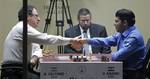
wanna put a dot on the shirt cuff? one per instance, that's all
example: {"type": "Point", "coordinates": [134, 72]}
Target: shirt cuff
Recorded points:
{"type": "Point", "coordinates": [38, 53]}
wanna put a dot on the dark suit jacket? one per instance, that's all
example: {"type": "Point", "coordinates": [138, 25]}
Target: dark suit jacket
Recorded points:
{"type": "Point", "coordinates": [95, 31]}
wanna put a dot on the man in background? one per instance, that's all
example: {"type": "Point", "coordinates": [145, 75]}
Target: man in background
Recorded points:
{"type": "Point", "coordinates": [91, 30]}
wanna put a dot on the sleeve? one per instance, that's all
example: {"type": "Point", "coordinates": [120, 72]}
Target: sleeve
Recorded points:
{"type": "Point", "coordinates": [108, 41]}
{"type": "Point", "coordinates": [42, 38]}
{"type": "Point", "coordinates": [36, 50]}
{"type": "Point", "coordinates": [129, 47]}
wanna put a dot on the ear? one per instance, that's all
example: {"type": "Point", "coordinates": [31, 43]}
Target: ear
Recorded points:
{"type": "Point", "coordinates": [125, 23]}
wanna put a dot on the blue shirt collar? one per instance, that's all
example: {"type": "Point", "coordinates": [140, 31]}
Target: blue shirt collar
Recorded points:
{"type": "Point", "coordinates": [127, 31]}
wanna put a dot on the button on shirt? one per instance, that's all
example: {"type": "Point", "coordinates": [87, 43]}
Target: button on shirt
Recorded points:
{"type": "Point", "coordinates": [130, 47]}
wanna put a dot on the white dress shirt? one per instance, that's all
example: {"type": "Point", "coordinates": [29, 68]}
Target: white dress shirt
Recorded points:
{"type": "Point", "coordinates": [13, 43]}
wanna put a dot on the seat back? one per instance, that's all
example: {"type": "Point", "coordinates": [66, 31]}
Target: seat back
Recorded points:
{"type": "Point", "coordinates": [146, 65]}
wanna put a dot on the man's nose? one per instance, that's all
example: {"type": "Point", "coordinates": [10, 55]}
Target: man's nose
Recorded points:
{"type": "Point", "coordinates": [85, 22]}
{"type": "Point", "coordinates": [38, 18]}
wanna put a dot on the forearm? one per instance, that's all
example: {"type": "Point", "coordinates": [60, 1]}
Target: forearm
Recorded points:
{"type": "Point", "coordinates": [49, 39]}
{"type": "Point", "coordinates": [97, 41]}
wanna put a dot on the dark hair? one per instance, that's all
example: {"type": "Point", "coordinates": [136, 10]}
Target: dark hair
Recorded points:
{"type": "Point", "coordinates": [29, 12]}
{"type": "Point", "coordinates": [125, 14]}
{"type": "Point", "coordinates": [83, 11]}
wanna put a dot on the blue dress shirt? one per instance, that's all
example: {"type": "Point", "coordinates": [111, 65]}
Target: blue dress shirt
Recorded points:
{"type": "Point", "coordinates": [130, 47]}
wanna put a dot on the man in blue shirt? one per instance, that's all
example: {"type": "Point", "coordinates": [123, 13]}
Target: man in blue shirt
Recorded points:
{"type": "Point", "coordinates": [129, 42]}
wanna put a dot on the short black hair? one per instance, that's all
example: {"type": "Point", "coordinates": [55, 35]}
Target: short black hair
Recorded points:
{"type": "Point", "coordinates": [29, 12]}
{"type": "Point", "coordinates": [83, 11]}
{"type": "Point", "coordinates": [125, 14]}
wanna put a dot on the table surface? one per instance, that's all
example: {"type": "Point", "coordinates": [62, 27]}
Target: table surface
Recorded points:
{"type": "Point", "coordinates": [66, 58]}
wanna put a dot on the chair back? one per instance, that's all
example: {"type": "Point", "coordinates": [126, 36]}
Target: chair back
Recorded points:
{"type": "Point", "coordinates": [146, 65]}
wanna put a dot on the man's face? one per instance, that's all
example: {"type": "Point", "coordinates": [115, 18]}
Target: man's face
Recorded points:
{"type": "Point", "coordinates": [84, 21]}
{"type": "Point", "coordinates": [120, 25]}
{"type": "Point", "coordinates": [33, 19]}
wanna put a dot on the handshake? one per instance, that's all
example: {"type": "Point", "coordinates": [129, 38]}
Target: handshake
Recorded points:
{"type": "Point", "coordinates": [77, 43]}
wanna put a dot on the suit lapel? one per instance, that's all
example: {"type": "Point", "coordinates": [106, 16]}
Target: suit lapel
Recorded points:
{"type": "Point", "coordinates": [77, 30]}
{"type": "Point", "coordinates": [92, 31]}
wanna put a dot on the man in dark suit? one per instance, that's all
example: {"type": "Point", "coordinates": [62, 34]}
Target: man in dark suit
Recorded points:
{"type": "Point", "coordinates": [91, 29]}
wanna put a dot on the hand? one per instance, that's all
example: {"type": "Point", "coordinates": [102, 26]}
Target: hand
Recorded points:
{"type": "Point", "coordinates": [75, 44]}
{"type": "Point", "coordinates": [34, 60]}
{"type": "Point", "coordinates": [77, 47]}
{"type": "Point", "coordinates": [82, 41]}
{"type": "Point", "coordinates": [75, 40]}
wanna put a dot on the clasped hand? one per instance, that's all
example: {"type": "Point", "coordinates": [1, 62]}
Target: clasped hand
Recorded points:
{"type": "Point", "coordinates": [78, 42]}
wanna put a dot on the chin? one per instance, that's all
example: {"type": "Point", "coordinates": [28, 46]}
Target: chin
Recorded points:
{"type": "Point", "coordinates": [35, 26]}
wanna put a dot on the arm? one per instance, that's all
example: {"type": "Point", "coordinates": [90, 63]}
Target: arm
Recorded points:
{"type": "Point", "coordinates": [42, 38]}
{"type": "Point", "coordinates": [108, 41]}
{"type": "Point", "coordinates": [130, 46]}
{"type": "Point", "coordinates": [36, 54]}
